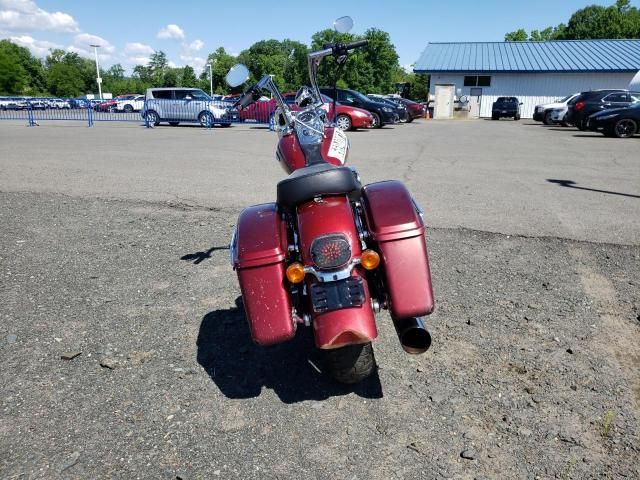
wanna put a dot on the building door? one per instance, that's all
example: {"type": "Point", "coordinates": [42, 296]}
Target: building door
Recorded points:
{"type": "Point", "coordinates": [444, 101]}
{"type": "Point", "coordinates": [475, 101]}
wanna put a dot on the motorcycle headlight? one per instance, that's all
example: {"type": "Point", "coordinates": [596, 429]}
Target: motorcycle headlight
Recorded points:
{"type": "Point", "coordinates": [387, 109]}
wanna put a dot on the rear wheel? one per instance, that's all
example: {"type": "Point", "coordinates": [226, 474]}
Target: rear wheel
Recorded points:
{"type": "Point", "coordinates": [344, 123]}
{"type": "Point", "coordinates": [351, 364]}
{"type": "Point", "coordinates": [516, 118]}
{"type": "Point", "coordinates": [580, 125]}
{"type": "Point", "coordinates": [625, 128]}
{"type": "Point", "coordinates": [409, 119]}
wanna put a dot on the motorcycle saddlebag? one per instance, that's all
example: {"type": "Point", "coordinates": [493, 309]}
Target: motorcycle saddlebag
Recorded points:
{"type": "Point", "coordinates": [396, 226]}
{"type": "Point", "coordinates": [258, 252]}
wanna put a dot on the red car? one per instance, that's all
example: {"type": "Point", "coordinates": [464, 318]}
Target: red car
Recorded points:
{"type": "Point", "coordinates": [110, 105]}
{"type": "Point", "coordinates": [349, 118]}
{"type": "Point", "coordinates": [414, 109]}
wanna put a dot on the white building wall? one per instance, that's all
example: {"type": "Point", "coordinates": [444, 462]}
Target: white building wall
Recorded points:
{"type": "Point", "coordinates": [533, 88]}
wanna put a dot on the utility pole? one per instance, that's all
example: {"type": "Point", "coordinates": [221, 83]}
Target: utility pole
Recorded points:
{"type": "Point", "coordinates": [210, 80]}
{"type": "Point", "coordinates": [98, 79]}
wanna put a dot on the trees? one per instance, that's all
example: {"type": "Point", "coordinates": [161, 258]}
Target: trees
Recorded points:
{"type": "Point", "coordinates": [28, 71]}
{"type": "Point", "coordinates": [373, 69]}
{"type": "Point", "coordinates": [13, 77]}
{"type": "Point", "coordinates": [619, 20]}
{"type": "Point", "coordinates": [220, 62]}
{"type": "Point", "coordinates": [188, 77]}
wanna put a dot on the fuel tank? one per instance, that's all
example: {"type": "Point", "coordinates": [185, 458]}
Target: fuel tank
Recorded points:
{"type": "Point", "coordinates": [334, 149]}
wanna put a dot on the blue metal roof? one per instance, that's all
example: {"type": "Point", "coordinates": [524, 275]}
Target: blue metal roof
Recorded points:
{"type": "Point", "coordinates": [552, 56]}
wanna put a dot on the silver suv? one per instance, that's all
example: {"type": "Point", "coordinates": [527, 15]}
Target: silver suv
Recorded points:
{"type": "Point", "coordinates": [175, 105]}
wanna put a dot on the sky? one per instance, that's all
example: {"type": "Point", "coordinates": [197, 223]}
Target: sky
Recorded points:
{"type": "Point", "coordinates": [188, 30]}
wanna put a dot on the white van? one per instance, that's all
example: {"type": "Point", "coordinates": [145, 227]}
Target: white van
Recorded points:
{"type": "Point", "coordinates": [176, 105]}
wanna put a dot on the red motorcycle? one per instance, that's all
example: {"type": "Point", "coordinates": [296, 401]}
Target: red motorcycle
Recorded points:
{"type": "Point", "coordinates": [329, 253]}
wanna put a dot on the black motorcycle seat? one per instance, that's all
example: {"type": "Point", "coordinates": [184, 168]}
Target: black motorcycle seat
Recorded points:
{"type": "Point", "coordinates": [316, 180]}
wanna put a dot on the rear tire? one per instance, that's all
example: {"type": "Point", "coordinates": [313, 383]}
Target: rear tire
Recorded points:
{"type": "Point", "coordinates": [580, 125]}
{"type": "Point", "coordinates": [409, 119]}
{"type": "Point", "coordinates": [516, 118]}
{"type": "Point", "coordinates": [625, 128]}
{"type": "Point", "coordinates": [351, 364]}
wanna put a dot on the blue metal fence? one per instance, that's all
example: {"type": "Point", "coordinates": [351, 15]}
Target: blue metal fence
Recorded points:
{"type": "Point", "coordinates": [152, 112]}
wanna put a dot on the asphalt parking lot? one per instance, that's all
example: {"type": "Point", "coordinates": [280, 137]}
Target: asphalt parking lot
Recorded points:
{"type": "Point", "coordinates": [114, 252]}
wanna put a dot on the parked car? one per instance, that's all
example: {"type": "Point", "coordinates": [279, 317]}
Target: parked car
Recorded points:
{"type": "Point", "coordinates": [506, 107]}
{"type": "Point", "coordinates": [79, 102]}
{"type": "Point", "coordinates": [382, 113]}
{"type": "Point", "coordinates": [58, 103]}
{"type": "Point", "coordinates": [37, 104]}
{"type": "Point", "coordinates": [414, 109]}
{"type": "Point", "coordinates": [616, 122]}
{"type": "Point", "coordinates": [349, 118]}
{"type": "Point", "coordinates": [545, 113]}
{"type": "Point", "coordinates": [588, 103]}
{"type": "Point", "coordinates": [180, 104]}
{"type": "Point", "coordinates": [130, 105]}
{"type": "Point", "coordinates": [399, 108]}
{"type": "Point", "coordinates": [12, 103]}
{"type": "Point", "coordinates": [112, 105]}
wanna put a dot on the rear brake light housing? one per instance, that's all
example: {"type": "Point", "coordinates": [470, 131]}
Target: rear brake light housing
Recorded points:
{"type": "Point", "coordinates": [330, 251]}
{"type": "Point", "coordinates": [579, 106]}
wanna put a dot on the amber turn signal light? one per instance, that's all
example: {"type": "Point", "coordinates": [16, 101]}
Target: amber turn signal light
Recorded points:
{"type": "Point", "coordinates": [370, 259]}
{"type": "Point", "coordinates": [295, 272]}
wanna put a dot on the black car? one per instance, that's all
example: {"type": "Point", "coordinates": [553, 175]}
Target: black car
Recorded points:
{"type": "Point", "coordinates": [399, 108]}
{"type": "Point", "coordinates": [507, 107]}
{"type": "Point", "coordinates": [382, 113]}
{"type": "Point", "coordinates": [616, 122]}
{"type": "Point", "coordinates": [588, 103]}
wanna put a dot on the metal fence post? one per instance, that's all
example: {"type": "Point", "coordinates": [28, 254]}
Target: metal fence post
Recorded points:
{"type": "Point", "coordinates": [144, 115]}
{"type": "Point", "coordinates": [32, 122]}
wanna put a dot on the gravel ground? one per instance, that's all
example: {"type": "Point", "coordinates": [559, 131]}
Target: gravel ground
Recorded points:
{"type": "Point", "coordinates": [125, 355]}
{"type": "Point", "coordinates": [533, 372]}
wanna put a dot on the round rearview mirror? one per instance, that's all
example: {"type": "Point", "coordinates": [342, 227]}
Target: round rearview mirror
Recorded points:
{"type": "Point", "coordinates": [238, 74]}
{"type": "Point", "coordinates": [343, 24]}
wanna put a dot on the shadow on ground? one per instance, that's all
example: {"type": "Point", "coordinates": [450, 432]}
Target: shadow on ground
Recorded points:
{"type": "Point", "coordinates": [241, 369]}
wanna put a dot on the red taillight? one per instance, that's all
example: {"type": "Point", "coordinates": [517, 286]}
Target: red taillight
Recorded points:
{"type": "Point", "coordinates": [330, 251]}
{"type": "Point", "coordinates": [579, 106]}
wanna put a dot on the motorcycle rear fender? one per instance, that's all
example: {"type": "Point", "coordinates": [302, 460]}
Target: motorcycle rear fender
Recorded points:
{"type": "Point", "coordinates": [337, 328]}
{"type": "Point", "coordinates": [396, 225]}
{"type": "Point", "coordinates": [258, 253]}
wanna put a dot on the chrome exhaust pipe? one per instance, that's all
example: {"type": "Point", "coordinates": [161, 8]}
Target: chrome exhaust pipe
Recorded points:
{"type": "Point", "coordinates": [413, 336]}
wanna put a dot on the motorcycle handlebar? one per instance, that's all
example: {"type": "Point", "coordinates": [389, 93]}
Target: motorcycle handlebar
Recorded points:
{"type": "Point", "coordinates": [245, 100]}
{"type": "Point", "coordinates": [356, 44]}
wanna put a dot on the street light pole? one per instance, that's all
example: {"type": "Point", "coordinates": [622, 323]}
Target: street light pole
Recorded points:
{"type": "Point", "coordinates": [98, 79]}
{"type": "Point", "coordinates": [210, 80]}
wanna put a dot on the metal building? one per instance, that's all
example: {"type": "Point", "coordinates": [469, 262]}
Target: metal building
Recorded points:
{"type": "Point", "coordinates": [535, 72]}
